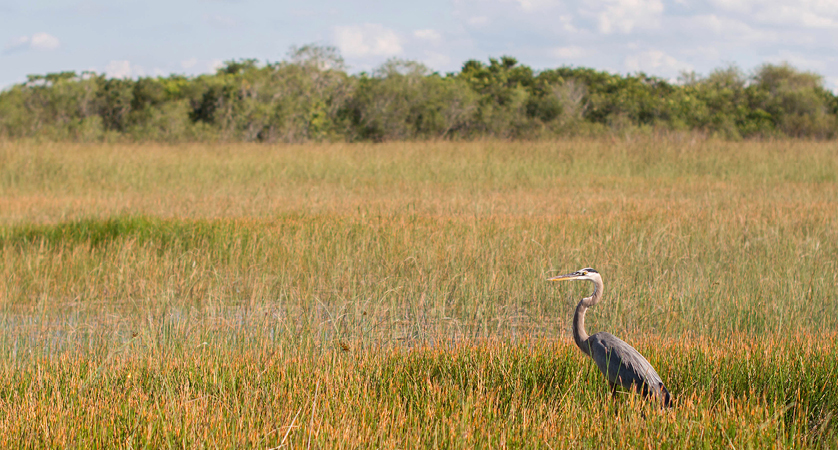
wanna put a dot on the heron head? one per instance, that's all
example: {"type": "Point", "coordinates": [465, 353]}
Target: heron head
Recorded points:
{"type": "Point", "coordinates": [584, 274]}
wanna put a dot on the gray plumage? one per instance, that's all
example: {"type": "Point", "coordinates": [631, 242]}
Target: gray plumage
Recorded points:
{"type": "Point", "coordinates": [619, 362]}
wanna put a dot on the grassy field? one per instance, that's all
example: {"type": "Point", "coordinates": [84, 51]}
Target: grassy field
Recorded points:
{"type": "Point", "coordinates": [393, 295]}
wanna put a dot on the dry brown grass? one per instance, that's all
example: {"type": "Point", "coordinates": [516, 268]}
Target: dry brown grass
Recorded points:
{"type": "Point", "coordinates": [392, 295]}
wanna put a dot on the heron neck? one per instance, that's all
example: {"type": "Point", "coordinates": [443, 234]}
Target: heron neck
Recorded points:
{"type": "Point", "coordinates": [580, 336]}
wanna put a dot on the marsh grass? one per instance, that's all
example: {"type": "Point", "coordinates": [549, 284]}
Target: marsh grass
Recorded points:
{"type": "Point", "coordinates": [393, 295]}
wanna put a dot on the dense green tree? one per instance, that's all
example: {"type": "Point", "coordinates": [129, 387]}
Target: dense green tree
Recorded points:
{"type": "Point", "coordinates": [309, 96]}
{"type": "Point", "coordinates": [403, 100]}
{"type": "Point", "coordinates": [795, 101]}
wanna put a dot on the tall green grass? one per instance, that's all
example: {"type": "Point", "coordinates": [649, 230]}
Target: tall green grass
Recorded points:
{"type": "Point", "coordinates": [533, 394]}
{"type": "Point", "coordinates": [393, 295]}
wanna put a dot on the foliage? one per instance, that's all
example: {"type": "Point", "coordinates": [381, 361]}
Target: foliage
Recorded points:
{"type": "Point", "coordinates": [310, 97]}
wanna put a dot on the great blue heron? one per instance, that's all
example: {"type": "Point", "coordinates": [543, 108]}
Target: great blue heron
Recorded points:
{"type": "Point", "coordinates": [618, 361]}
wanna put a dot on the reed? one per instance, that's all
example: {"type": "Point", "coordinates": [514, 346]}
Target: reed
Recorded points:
{"type": "Point", "coordinates": [393, 295]}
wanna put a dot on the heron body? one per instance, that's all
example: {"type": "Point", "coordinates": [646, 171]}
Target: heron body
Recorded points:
{"type": "Point", "coordinates": [618, 361]}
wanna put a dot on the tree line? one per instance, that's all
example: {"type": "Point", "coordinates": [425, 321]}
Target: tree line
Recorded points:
{"type": "Point", "coordinates": [310, 96]}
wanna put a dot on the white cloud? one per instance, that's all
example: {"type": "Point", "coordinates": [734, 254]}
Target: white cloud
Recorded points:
{"type": "Point", "coordinates": [38, 41]}
{"type": "Point", "coordinates": [706, 53]}
{"type": "Point", "coordinates": [435, 60]}
{"type": "Point", "coordinates": [625, 15]}
{"type": "Point", "coordinates": [806, 13]}
{"type": "Point", "coordinates": [732, 30]}
{"type": "Point", "coordinates": [123, 69]}
{"type": "Point", "coordinates": [655, 62]}
{"type": "Point", "coordinates": [533, 5]}
{"type": "Point", "coordinates": [739, 6]}
{"type": "Point", "coordinates": [568, 52]}
{"type": "Point", "coordinates": [567, 23]}
{"type": "Point", "coordinates": [370, 39]}
{"type": "Point", "coordinates": [44, 41]}
{"type": "Point", "coordinates": [187, 64]}
{"type": "Point", "coordinates": [801, 15]}
{"type": "Point", "coordinates": [195, 65]}
{"type": "Point", "coordinates": [18, 43]}
{"type": "Point", "coordinates": [215, 64]}
{"type": "Point", "coordinates": [656, 36]}
{"type": "Point", "coordinates": [429, 35]}
{"type": "Point", "coordinates": [800, 61]}
{"type": "Point", "coordinates": [478, 21]}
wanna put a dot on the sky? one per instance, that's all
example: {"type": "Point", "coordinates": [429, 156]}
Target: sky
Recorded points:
{"type": "Point", "coordinates": [658, 37]}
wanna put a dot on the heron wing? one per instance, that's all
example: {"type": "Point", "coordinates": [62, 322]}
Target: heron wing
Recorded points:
{"type": "Point", "coordinates": [622, 364]}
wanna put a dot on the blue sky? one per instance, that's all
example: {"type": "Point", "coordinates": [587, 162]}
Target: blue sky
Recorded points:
{"type": "Point", "coordinates": [660, 37]}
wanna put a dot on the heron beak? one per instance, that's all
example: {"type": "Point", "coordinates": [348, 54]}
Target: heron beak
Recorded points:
{"type": "Point", "coordinates": [565, 277]}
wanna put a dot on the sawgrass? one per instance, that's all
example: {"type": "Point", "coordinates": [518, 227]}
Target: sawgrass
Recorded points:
{"type": "Point", "coordinates": [393, 295]}
{"type": "Point", "coordinates": [533, 394]}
